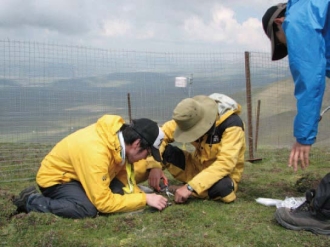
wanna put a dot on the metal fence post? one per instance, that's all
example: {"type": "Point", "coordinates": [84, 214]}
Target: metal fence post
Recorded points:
{"type": "Point", "coordinates": [249, 107]}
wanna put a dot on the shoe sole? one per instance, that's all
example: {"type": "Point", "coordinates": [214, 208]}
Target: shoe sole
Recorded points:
{"type": "Point", "coordinates": [300, 228]}
{"type": "Point", "coordinates": [24, 193]}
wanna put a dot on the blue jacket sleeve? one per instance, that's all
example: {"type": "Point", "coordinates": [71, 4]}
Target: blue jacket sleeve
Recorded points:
{"type": "Point", "coordinates": [306, 41]}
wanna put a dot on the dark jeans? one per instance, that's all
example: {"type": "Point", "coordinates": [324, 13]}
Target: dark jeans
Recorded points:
{"type": "Point", "coordinates": [67, 200]}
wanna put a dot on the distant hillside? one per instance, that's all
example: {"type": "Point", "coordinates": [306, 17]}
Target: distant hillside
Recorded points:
{"type": "Point", "coordinates": [277, 112]}
{"type": "Point", "coordinates": [47, 111]}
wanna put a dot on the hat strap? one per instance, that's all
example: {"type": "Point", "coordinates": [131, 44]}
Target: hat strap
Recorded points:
{"type": "Point", "coordinates": [122, 147]}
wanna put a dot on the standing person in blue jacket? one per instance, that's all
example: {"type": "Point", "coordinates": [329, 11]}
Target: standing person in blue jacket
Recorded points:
{"type": "Point", "coordinates": [300, 29]}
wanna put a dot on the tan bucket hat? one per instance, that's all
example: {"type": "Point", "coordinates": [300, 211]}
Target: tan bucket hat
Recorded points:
{"type": "Point", "coordinates": [194, 117]}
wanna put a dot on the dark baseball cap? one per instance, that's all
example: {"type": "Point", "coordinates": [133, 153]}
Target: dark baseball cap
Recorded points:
{"type": "Point", "coordinates": [150, 132]}
{"type": "Point", "coordinates": [279, 50]}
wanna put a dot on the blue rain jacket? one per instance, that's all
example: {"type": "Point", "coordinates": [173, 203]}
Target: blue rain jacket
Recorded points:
{"type": "Point", "coordinates": [306, 27]}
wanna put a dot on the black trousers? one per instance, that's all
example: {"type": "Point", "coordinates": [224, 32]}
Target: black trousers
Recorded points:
{"type": "Point", "coordinates": [67, 200]}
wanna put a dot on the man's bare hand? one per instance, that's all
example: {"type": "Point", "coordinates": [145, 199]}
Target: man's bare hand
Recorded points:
{"type": "Point", "coordinates": [299, 154]}
{"type": "Point", "coordinates": [156, 201]}
{"type": "Point", "coordinates": [182, 194]}
{"type": "Point", "coordinates": [154, 178]}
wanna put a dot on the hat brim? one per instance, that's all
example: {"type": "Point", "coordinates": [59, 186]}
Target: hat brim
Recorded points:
{"type": "Point", "coordinates": [210, 110]}
{"type": "Point", "coordinates": [155, 154]}
{"type": "Point", "coordinates": [279, 50]}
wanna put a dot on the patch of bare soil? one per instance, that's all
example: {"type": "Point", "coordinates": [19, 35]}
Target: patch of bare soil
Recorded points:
{"type": "Point", "coordinates": [308, 181]}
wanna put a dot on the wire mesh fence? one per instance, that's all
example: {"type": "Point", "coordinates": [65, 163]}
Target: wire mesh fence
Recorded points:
{"type": "Point", "coordinates": [48, 91]}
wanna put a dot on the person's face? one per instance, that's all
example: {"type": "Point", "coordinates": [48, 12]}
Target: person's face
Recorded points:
{"type": "Point", "coordinates": [280, 33]}
{"type": "Point", "coordinates": [135, 153]}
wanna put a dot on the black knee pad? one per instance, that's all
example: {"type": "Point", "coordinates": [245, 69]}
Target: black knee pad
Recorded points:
{"type": "Point", "coordinates": [221, 188]}
{"type": "Point", "coordinates": [175, 156]}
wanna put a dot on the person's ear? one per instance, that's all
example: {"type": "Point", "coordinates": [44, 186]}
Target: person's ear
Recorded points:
{"type": "Point", "coordinates": [136, 143]}
{"type": "Point", "coordinates": [279, 21]}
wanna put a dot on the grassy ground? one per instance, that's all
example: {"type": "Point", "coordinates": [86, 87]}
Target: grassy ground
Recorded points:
{"type": "Point", "coordinates": [196, 223]}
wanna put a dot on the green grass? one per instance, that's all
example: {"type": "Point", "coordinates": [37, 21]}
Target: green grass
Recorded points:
{"type": "Point", "coordinates": [196, 223]}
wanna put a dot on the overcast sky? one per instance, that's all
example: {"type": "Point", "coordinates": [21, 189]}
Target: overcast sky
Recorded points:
{"type": "Point", "coordinates": [139, 25]}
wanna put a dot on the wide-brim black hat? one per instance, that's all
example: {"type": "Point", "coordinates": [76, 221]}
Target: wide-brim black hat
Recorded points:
{"type": "Point", "coordinates": [279, 50]}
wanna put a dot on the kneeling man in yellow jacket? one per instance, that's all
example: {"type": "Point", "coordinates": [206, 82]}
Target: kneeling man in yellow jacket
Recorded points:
{"type": "Point", "coordinates": [211, 124]}
{"type": "Point", "coordinates": [91, 171]}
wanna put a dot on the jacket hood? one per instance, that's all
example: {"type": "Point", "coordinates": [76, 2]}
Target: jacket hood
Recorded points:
{"type": "Point", "coordinates": [107, 127]}
{"type": "Point", "coordinates": [226, 106]}
{"type": "Point", "coordinates": [229, 113]}
{"type": "Point", "coordinates": [225, 103]}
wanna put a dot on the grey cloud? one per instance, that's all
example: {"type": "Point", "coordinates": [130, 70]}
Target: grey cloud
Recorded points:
{"type": "Point", "coordinates": [82, 21]}
{"type": "Point", "coordinates": [60, 18]}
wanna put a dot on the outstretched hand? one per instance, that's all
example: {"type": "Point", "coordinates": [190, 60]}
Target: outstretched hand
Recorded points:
{"type": "Point", "coordinates": [182, 194]}
{"type": "Point", "coordinates": [156, 201]}
{"type": "Point", "coordinates": [299, 154]}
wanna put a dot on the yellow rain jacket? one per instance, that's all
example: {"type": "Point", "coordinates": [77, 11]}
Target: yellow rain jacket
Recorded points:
{"type": "Point", "coordinates": [209, 162]}
{"type": "Point", "coordinates": [92, 157]}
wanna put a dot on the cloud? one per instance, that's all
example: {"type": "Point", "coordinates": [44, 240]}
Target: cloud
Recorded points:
{"type": "Point", "coordinates": [115, 27]}
{"type": "Point", "coordinates": [184, 25]}
{"type": "Point", "coordinates": [146, 34]}
{"type": "Point", "coordinates": [251, 34]}
{"type": "Point", "coordinates": [223, 27]}
{"type": "Point", "coordinates": [220, 28]}
{"type": "Point", "coordinates": [67, 17]}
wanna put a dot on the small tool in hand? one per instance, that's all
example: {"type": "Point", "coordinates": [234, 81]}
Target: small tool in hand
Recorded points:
{"type": "Point", "coordinates": [168, 193]}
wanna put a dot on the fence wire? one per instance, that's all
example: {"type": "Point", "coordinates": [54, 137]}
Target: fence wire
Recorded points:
{"type": "Point", "coordinates": [48, 91]}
